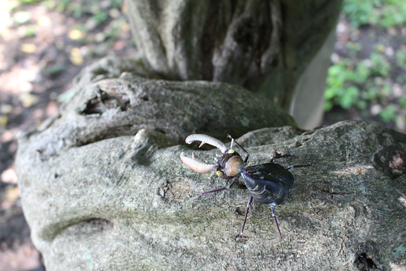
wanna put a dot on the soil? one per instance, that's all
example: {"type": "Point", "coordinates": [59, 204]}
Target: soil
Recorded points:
{"type": "Point", "coordinates": [31, 80]}
{"type": "Point", "coordinates": [34, 71]}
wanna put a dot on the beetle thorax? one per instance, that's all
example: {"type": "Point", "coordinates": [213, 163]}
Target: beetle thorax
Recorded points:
{"type": "Point", "coordinates": [229, 165]}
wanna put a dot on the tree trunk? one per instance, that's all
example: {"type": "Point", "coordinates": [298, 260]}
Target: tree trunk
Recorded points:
{"type": "Point", "coordinates": [263, 46]}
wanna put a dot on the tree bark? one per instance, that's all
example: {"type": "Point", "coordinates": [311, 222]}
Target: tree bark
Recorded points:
{"type": "Point", "coordinates": [263, 46]}
{"type": "Point", "coordinates": [105, 107]}
{"type": "Point", "coordinates": [129, 203]}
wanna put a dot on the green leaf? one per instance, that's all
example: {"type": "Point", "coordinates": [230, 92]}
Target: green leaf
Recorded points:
{"type": "Point", "coordinates": [350, 96]}
{"type": "Point", "coordinates": [389, 113]}
{"type": "Point", "coordinates": [21, 17]}
{"type": "Point", "coordinates": [328, 105]}
{"type": "Point", "coordinates": [402, 103]}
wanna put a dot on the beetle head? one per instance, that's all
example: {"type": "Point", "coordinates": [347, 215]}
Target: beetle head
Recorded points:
{"type": "Point", "coordinates": [228, 165]}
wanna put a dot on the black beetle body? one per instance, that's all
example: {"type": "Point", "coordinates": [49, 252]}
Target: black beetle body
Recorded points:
{"type": "Point", "coordinates": [267, 183]}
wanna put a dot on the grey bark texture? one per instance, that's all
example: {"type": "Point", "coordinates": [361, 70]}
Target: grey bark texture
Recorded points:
{"type": "Point", "coordinates": [103, 107]}
{"type": "Point", "coordinates": [128, 203]}
{"type": "Point", "coordinates": [263, 46]}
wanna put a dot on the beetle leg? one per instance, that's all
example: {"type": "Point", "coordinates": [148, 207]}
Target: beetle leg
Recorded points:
{"type": "Point", "coordinates": [297, 166]}
{"type": "Point", "coordinates": [272, 205]}
{"type": "Point", "coordinates": [280, 156]}
{"type": "Point", "coordinates": [245, 218]}
{"type": "Point", "coordinates": [232, 140]}
{"type": "Point", "coordinates": [223, 188]}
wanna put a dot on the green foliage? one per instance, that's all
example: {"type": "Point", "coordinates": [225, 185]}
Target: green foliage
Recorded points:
{"type": "Point", "coordinates": [116, 3]}
{"type": "Point", "coordinates": [389, 113]}
{"type": "Point", "coordinates": [79, 7]}
{"type": "Point", "coordinates": [384, 13]}
{"type": "Point", "coordinates": [56, 69]}
{"type": "Point", "coordinates": [21, 17]}
{"type": "Point", "coordinates": [402, 103]}
{"type": "Point", "coordinates": [342, 84]}
{"type": "Point", "coordinates": [361, 12]}
{"type": "Point", "coordinates": [31, 30]}
{"type": "Point", "coordinates": [363, 83]}
{"type": "Point", "coordinates": [348, 86]}
{"type": "Point", "coordinates": [28, 1]}
{"type": "Point", "coordinates": [61, 6]}
{"type": "Point", "coordinates": [400, 58]}
{"type": "Point", "coordinates": [351, 82]}
{"type": "Point", "coordinates": [10, 5]}
{"type": "Point", "coordinates": [393, 13]}
{"type": "Point", "coordinates": [380, 66]}
{"type": "Point", "coordinates": [100, 17]}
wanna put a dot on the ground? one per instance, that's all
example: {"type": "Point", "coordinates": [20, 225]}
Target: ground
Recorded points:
{"type": "Point", "coordinates": [43, 46]}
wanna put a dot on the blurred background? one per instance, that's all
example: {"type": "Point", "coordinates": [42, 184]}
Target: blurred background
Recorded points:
{"type": "Point", "coordinates": [45, 43]}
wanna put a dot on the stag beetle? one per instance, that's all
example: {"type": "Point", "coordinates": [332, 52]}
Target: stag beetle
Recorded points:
{"type": "Point", "coordinates": [267, 183]}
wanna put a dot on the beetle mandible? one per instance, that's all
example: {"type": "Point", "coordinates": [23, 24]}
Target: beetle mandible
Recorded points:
{"type": "Point", "coordinates": [267, 183]}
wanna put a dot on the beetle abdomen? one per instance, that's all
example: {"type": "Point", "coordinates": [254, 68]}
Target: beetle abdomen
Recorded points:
{"type": "Point", "coordinates": [268, 183]}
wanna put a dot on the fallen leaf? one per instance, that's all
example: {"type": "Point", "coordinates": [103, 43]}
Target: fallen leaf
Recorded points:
{"type": "Point", "coordinates": [52, 109]}
{"type": "Point", "coordinates": [44, 21]}
{"type": "Point", "coordinates": [75, 34]}
{"type": "Point", "coordinates": [5, 32]}
{"type": "Point", "coordinates": [9, 176]}
{"type": "Point", "coordinates": [6, 108]}
{"type": "Point", "coordinates": [28, 48]}
{"type": "Point", "coordinates": [13, 193]}
{"type": "Point", "coordinates": [7, 136]}
{"type": "Point", "coordinates": [21, 17]}
{"type": "Point", "coordinates": [114, 13]}
{"type": "Point", "coordinates": [75, 57]}
{"type": "Point", "coordinates": [28, 99]}
{"type": "Point", "coordinates": [99, 37]}
{"type": "Point", "coordinates": [3, 120]}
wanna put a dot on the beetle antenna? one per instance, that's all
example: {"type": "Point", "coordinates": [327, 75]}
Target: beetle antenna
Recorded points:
{"type": "Point", "coordinates": [274, 219]}
{"type": "Point", "coordinates": [211, 174]}
{"type": "Point", "coordinates": [246, 158]}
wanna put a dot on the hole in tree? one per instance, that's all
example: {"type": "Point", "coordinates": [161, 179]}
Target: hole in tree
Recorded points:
{"type": "Point", "coordinates": [364, 263]}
